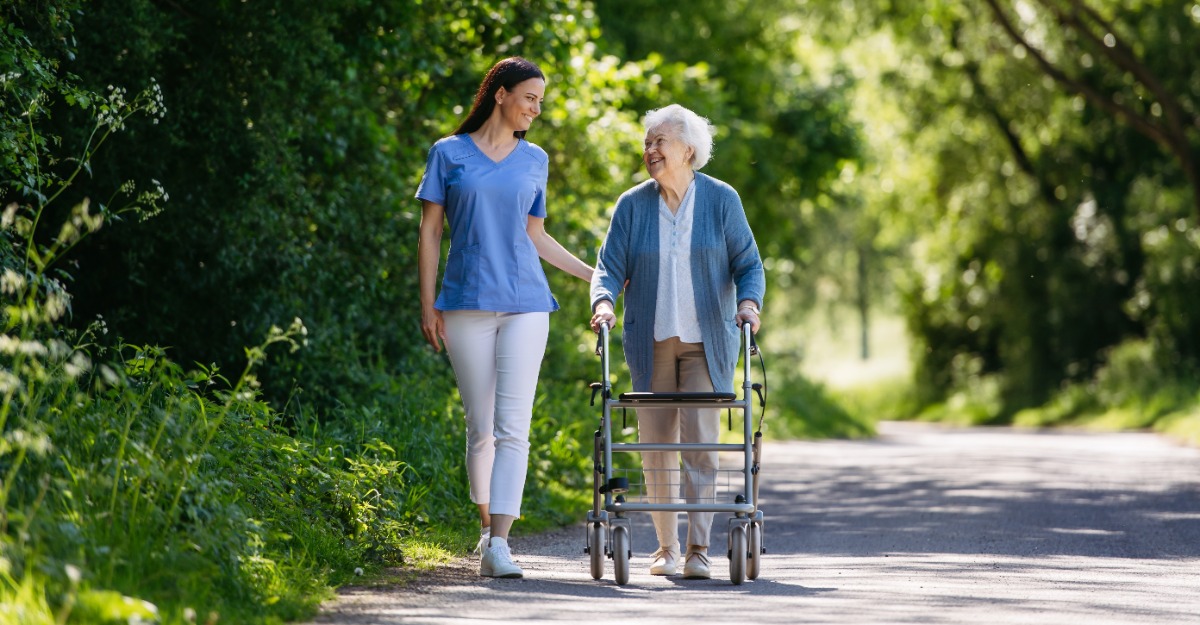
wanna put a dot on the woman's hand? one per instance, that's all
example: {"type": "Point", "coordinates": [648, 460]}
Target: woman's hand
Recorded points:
{"type": "Point", "coordinates": [603, 314]}
{"type": "Point", "coordinates": [434, 327]}
{"type": "Point", "coordinates": [747, 314]}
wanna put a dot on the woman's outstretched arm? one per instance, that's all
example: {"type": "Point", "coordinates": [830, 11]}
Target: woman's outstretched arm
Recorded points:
{"type": "Point", "coordinates": [554, 253]}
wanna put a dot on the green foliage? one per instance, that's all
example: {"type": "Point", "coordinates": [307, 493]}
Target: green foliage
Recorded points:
{"type": "Point", "coordinates": [129, 487]}
{"type": "Point", "coordinates": [299, 136]}
{"type": "Point", "coordinates": [1043, 181]}
{"type": "Point", "coordinates": [173, 488]}
{"type": "Point", "coordinates": [1134, 389]}
{"type": "Point", "coordinates": [784, 131]}
{"type": "Point", "coordinates": [801, 408]}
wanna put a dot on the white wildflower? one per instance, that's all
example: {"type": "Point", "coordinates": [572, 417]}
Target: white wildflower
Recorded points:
{"type": "Point", "coordinates": [9, 383]}
{"type": "Point", "coordinates": [56, 306]}
{"type": "Point", "coordinates": [78, 365]}
{"type": "Point", "coordinates": [12, 282]}
{"type": "Point", "coordinates": [10, 216]}
{"type": "Point", "coordinates": [31, 348]}
{"type": "Point", "coordinates": [109, 376]}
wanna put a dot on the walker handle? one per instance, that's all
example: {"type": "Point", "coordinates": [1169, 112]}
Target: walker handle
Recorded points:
{"type": "Point", "coordinates": [600, 338]}
{"type": "Point", "coordinates": [596, 388]}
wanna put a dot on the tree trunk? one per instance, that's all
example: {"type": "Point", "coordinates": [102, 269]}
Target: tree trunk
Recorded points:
{"type": "Point", "coordinates": [864, 318]}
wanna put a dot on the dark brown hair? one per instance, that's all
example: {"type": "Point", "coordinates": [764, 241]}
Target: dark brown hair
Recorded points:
{"type": "Point", "coordinates": [508, 74]}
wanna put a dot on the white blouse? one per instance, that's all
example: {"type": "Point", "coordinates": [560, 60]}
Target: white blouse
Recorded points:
{"type": "Point", "coordinates": [675, 306]}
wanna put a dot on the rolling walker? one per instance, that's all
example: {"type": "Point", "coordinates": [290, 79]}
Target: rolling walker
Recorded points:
{"type": "Point", "coordinates": [615, 496]}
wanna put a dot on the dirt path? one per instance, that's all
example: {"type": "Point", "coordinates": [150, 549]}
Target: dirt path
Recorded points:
{"type": "Point", "coordinates": [922, 525]}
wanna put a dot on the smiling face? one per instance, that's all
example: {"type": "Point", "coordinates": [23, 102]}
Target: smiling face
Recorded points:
{"type": "Point", "coordinates": [519, 106]}
{"type": "Point", "coordinates": [665, 154]}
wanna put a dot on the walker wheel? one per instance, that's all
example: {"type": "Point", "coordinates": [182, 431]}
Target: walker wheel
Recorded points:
{"type": "Point", "coordinates": [755, 551]}
{"type": "Point", "coordinates": [620, 554]}
{"type": "Point", "coordinates": [737, 554]}
{"type": "Point", "coordinates": [596, 549]}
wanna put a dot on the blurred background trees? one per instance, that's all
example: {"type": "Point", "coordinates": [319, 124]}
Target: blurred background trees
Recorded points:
{"type": "Point", "coordinates": [1017, 179]}
{"type": "Point", "coordinates": [1058, 142]}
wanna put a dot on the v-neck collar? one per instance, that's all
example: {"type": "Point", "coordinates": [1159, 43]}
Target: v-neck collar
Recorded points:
{"type": "Point", "coordinates": [485, 155]}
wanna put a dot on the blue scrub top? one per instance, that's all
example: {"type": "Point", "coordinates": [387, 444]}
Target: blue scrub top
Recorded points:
{"type": "Point", "coordinates": [492, 264]}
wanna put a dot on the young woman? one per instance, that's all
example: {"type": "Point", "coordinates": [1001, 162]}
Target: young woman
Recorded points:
{"type": "Point", "coordinates": [493, 311]}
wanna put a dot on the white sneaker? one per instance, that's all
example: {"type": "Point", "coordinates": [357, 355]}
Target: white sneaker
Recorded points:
{"type": "Point", "coordinates": [696, 566]}
{"type": "Point", "coordinates": [497, 561]}
{"type": "Point", "coordinates": [485, 535]}
{"type": "Point", "coordinates": [665, 560]}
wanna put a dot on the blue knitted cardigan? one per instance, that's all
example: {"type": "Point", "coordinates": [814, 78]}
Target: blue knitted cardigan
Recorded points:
{"type": "Point", "coordinates": [726, 269]}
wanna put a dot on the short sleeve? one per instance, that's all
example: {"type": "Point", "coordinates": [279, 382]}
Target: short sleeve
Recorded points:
{"type": "Point", "coordinates": [433, 182]}
{"type": "Point", "coordinates": [538, 209]}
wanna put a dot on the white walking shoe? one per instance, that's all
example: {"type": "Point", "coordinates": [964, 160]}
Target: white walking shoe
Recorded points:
{"type": "Point", "coordinates": [696, 566]}
{"type": "Point", "coordinates": [497, 561]}
{"type": "Point", "coordinates": [665, 561]}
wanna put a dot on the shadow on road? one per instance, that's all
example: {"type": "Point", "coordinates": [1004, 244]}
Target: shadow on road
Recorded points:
{"type": "Point", "coordinates": [948, 499]}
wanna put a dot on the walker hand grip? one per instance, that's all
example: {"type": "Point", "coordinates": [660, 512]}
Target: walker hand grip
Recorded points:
{"type": "Point", "coordinates": [596, 387]}
{"type": "Point", "coordinates": [602, 338]}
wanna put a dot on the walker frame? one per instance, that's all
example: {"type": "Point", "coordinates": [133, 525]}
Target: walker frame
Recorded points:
{"type": "Point", "coordinates": [608, 526]}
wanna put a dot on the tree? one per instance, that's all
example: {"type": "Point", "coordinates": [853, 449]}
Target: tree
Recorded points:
{"type": "Point", "coordinates": [785, 137]}
{"type": "Point", "coordinates": [1129, 88]}
{"type": "Point", "coordinates": [299, 134]}
{"type": "Point", "coordinates": [1036, 246]}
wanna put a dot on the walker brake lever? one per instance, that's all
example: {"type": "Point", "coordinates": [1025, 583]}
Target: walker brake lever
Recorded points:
{"type": "Point", "coordinates": [595, 386]}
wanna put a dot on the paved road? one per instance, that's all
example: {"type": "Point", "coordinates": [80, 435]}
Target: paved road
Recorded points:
{"type": "Point", "coordinates": [922, 525]}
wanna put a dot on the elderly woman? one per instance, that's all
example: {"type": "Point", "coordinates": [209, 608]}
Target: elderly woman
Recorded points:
{"type": "Point", "coordinates": [681, 248]}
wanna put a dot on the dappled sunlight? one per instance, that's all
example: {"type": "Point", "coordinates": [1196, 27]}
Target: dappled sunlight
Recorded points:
{"type": "Point", "coordinates": [1058, 497]}
{"type": "Point", "coordinates": [926, 524]}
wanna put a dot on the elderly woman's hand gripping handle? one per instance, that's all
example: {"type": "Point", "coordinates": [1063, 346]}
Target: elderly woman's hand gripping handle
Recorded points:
{"type": "Point", "coordinates": [603, 314]}
{"type": "Point", "coordinates": [747, 313]}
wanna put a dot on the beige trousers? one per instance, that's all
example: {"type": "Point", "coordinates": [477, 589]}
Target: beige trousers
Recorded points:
{"type": "Point", "coordinates": [680, 366]}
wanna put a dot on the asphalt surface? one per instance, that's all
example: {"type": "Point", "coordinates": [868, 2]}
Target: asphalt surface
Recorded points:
{"type": "Point", "coordinates": [922, 525]}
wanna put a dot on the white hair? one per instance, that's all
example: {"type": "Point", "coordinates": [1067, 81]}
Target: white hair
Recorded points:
{"type": "Point", "coordinates": [694, 130]}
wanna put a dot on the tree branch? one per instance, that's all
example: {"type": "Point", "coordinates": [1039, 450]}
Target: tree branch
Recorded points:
{"type": "Point", "coordinates": [1124, 58]}
{"type": "Point", "coordinates": [1175, 142]}
{"type": "Point", "coordinates": [1003, 125]}
{"type": "Point", "coordinates": [1141, 125]}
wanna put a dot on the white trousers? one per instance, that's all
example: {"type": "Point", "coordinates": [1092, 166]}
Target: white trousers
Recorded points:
{"type": "Point", "coordinates": [680, 366]}
{"type": "Point", "coordinates": [496, 359]}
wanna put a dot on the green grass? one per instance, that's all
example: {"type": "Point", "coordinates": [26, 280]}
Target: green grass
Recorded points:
{"type": "Point", "coordinates": [822, 387]}
{"type": "Point", "coordinates": [1133, 391]}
